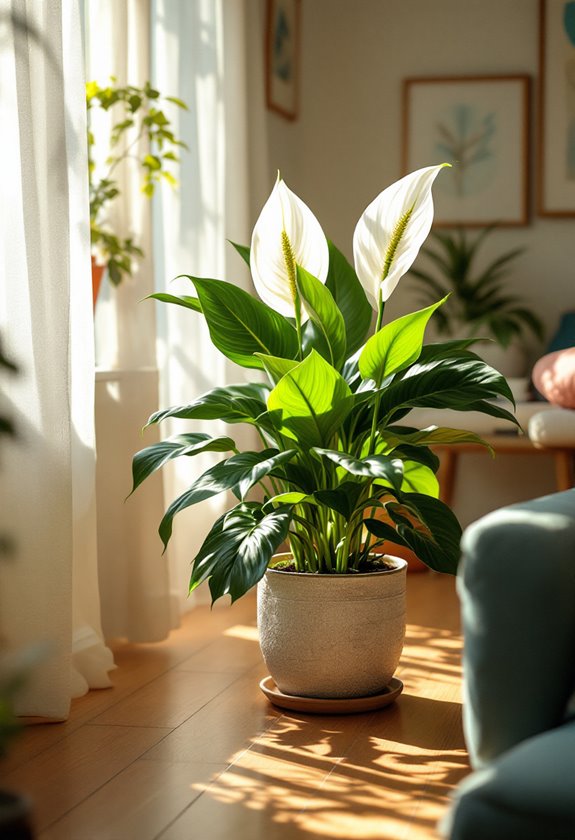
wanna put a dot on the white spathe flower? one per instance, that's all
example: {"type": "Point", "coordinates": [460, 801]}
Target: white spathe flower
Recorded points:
{"type": "Point", "coordinates": [286, 233]}
{"type": "Point", "coordinates": [391, 231]}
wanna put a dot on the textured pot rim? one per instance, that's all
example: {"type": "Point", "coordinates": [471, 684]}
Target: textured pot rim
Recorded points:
{"type": "Point", "coordinates": [400, 565]}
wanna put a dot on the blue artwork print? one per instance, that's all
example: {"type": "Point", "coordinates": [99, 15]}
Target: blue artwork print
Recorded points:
{"type": "Point", "coordinates": [282, 40]}
{"type": "Point", "coordinates": [464, 137]}
{"type": "Point", "coordinates": [569, 26]}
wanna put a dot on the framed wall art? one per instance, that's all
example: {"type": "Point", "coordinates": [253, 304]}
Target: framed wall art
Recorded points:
{"type": "Point", "coordinates": [556, 122]}
{"type": "Point", "coordinates": [480, 125]}
{"type": "Point", "coordinates": [282, 56]}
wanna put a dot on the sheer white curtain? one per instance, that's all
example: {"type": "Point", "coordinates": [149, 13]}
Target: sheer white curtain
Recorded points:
{"type": "Point", "coordinates": [209, 53]}
{"type": "Point", "coordinates": [49, 588]}
{"type": "Point", "coordinates": [134, 576]}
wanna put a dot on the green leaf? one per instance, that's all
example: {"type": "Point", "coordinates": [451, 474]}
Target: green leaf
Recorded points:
{"type": "Point", "coordinates": [437, 543]}
{"type": "Point", "coordinates": [240, 471]}
{"type": "Point", "coordinates": [420, 454]}
{"type": "Point", "coordinates": [310, 402]}
{"type": "Point", "coordinates": [241, 326]}
{"type": "Point", "coordinates": [243, 251]}
{"type": "Point", "coordinates": [324, 313]}
{"type": "Point", "coordinates": [372, 466]}
{"type": "Point", "coordinates": [343, 500]}
{"type": "Point", "coordinates": [276, 368]}
{"type": "Point", "coordinates": [150, 459]}
{"type": "Point", "coordinates": [238, 549]}
{"type": "Point", "coordinates": [290, 498]}
{"type": "Point", "coordinates": [418, 478]}
{"type": "Point", "coordinates": [232, 404]}
{"type": "Point", "coordinates": [447, 349]}
{"type": "Point", "coordinates": [396, 346]}
{"type": "Point", "coordinates": [348, 293]}
{"type": "Point", "coordinates": [448, 383]}
{"type": "Point", "coordinates": [434, 435]}
{"type": "Point", "coordinates": [263, 464]}
{"type": "Point", "coordinates": [179, 300]}
{"type": "Point", "coordinates": [179, 102]}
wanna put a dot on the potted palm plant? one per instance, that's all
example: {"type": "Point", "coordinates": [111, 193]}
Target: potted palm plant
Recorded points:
{"type": "Point", "coordinates": [479, 305]}
{"type": "Point", "coordinates": [335, 450]}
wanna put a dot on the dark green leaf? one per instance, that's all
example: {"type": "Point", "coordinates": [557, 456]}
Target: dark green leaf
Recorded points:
{"type": "Point", "coordinates": [150, 459]}
{"type": "Point", "coordinates": [243, 251]}
{"type": "Point", "coordinates": [343, 500]}
{"type": "Point", "coordinates": [324, 313]}
{"type": "Point", "coordinates": [372, 466]}
{"type": "Point", "coordinates": [238, 471]}
{"type": "Point", "coordinates": [233, 404]}
{"type": "Point", "coordinates": [240, 325]}
{"type": "Point", "coordinates": [238, 549]}
{"type": "Point", "coordinates": [437, 543]}
{"type": "Point", "coordinates": [348, 293]}
{"type": "Point", "coordinates": [449, 383]}
{"type": "Point", "coordinates": [179, 300]}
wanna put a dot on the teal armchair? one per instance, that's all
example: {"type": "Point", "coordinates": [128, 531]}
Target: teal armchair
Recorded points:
{"type": "Point", "coordinates": [517, 589]}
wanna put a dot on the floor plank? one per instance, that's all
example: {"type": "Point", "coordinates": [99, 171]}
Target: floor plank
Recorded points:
{"type": "Point", "coordinates": [185, 745]}
{"type": "Point", "coordinates": [64, 775]}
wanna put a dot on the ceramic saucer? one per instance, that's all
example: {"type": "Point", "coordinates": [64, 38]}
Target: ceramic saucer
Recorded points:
{"type": "Point", "coordinates": [331, 706]}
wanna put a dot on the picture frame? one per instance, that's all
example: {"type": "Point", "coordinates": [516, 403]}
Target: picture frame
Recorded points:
{"type": "Point", "coordinates": [556, 117]}
{"type": "Point", "coordinates": [282, 56]}
{"type": "Point", "coordinates": [480, 125]}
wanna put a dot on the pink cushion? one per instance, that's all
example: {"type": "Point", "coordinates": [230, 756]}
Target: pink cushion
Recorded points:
{"type": "Point", "coordinates": [554, 377]}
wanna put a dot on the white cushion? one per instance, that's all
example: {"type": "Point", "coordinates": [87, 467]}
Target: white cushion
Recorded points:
{"type": "Point", "coordinates": [553, 428]}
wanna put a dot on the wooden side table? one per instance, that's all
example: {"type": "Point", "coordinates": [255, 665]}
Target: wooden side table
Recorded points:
{"type": "Point", "coordinates": [504, 445]}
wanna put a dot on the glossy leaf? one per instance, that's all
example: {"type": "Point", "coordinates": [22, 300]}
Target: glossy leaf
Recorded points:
{"type": "Point", "coordinates": [417, 478]}
{"type": "Point", "coordinates": [243, 251]}
{"type": "Point", "coordinates": [241, 326]}
{"type": "Point", "coordinates": [276, 368]}
{"type": "Point", "coordinates": [236, 552]}
{"type": "Point", "coordinates": [438, 543]}
{"type": "Point", "coordinates": [348, 293]}
{"type": "Point", "coordinates": [396, 345]}
{"type": "Point", "coordinates": [343, 499]}
{"type": "Point", "coordinates": [372, 466]}
{"type": "Point", "coordinates": [180, 300]}
{"type": "Point", "coordinates": [436, 435]}
{"type": "Point", "coordinates": [234, 404]}
{"type": "Point", "coordinates": [424, 524]}
{"type": "Point", "coordinates": [322, 310]}
{"type": "Point", "coordinates": [444, 384]}
{"type": "Point", "coordinates": [238, 472]}
{"type": "Point", "coordinates": [153, 457]}
{"type": "Point", "coordinates": [310, 403]}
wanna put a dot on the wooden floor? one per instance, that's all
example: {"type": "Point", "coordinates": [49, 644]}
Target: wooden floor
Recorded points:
{"type": "Point", "coordinates": [185, 746]}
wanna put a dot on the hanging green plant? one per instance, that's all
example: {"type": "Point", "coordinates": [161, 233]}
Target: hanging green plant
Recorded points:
{"type": "Point", "coordinates": [141, 115]}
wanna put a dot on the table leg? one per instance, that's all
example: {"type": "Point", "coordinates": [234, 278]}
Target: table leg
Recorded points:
{"type": "Point", "coordinates": [446, 475]}
{"type": "Point", "coordinates": [564, 469]}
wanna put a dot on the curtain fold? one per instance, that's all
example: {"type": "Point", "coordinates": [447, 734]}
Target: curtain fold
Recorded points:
{"type": "Point", "coordinates": [200, 53]}
{"type": "Point", "coordinates": [48, 589]}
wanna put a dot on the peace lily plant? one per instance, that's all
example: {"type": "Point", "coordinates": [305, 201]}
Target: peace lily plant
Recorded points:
{"type": "Point", "coordinates": [335, 454]}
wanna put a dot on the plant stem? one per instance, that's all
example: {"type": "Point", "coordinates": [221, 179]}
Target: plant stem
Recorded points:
{"type": "Point", "coordinates": [371, 449]}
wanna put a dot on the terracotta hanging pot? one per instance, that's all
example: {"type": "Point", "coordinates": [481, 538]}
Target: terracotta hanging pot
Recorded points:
{"type": "Point", "coordinates": [97, 274]}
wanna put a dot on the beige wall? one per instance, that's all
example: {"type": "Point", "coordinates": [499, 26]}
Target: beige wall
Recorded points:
{"type": "Point", "coordinates": [346, 146]}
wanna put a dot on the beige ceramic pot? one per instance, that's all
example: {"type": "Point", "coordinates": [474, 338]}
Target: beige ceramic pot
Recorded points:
{"type": "Point", "coordinates": [332, 635]}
